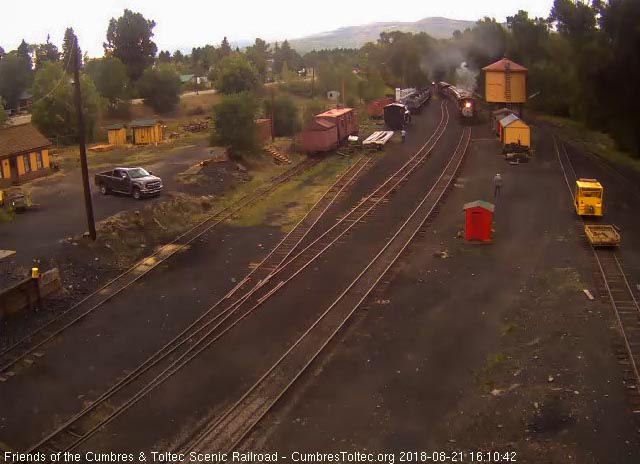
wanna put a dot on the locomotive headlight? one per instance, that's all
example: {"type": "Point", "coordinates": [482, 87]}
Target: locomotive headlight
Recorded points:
{"type": "Point", "coordinates": [467, 105]}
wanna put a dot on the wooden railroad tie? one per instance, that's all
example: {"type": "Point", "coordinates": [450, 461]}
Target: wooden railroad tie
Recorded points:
{"type": "Point", "coordinates": [278, 157]}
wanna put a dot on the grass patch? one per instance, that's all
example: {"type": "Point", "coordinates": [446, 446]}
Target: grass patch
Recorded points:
{"type": "Point", "coordinates": [508, 329]}
{"type": "Point", "coordinates": [6, 216]}
{"type": "Point", "coordinates": [596, 142]}
{"type": "Point", "coordinates": [288, 204]}
{"type": "Point", "coordinates": [69, 157]}
{"type": "Point", "coordinates": [496, 364]}
{"type": "Point", "coordinates": [562, 279]}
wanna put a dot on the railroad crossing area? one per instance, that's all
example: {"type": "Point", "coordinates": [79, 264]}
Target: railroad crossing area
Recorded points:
{"type": "Point", "coordinates": [372, 324]}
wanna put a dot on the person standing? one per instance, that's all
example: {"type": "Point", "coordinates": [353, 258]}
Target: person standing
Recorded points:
{"type": "Point", "coordinates": [497, 185]}
{"type": "Point", "coordinates": [403, 133]}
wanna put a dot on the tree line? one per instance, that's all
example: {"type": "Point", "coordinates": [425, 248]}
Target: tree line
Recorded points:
{"type": "Point", "coordinates": [582, 62]}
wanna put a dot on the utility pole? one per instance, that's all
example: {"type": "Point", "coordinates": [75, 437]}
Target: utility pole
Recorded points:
{"type": "Point", "coordinates": [313, 80]}
{"type": "Point", "coordinates": [273, 134]}
{"type": "Point", "coordinates": [82, 143]}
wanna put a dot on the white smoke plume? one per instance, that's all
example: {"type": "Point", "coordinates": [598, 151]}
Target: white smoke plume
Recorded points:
{"type": "Point", "coordinates": [466, 78]}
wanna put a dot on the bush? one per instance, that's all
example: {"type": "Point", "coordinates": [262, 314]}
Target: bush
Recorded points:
{"type": "Point", "coordinates": [236, 74]}
{"type": "Point", "coordinates": [297, 87]}
{"type": "Point", "coordinates": [286, 118]}
{"type": "Point", "coordinates": [314, 107]}
{"type": "Point", "coordinates": [160, 88]}
{"type": "Point", "coordinates": [197, 111]}
{"type": "Point", "coordinates": [234, 122]}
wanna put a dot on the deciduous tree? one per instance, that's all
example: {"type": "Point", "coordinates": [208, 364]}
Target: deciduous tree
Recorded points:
{"type": "Point", "coordinates": [110, 78]}
{"type": "Point", "coordinates": [15, 77]}
{"type": "Point", "coordinates": [234, 122]}
{"type": "Point", "coordinates": [235, 74]}
{"type": "Point", "coordinates": [286, 117]}
{"type": "Point", "coordinates": [160, 88]}
{"type": "Point", "coordinates": [129, 40]}
{"type": "Point", "coordinates": [54, 110]}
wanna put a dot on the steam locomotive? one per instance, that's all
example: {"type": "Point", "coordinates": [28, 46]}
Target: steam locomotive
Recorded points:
{"type": "Point", "coordinates": [463, 99]}
{"type": "Point", "coordinates": [408, 101]}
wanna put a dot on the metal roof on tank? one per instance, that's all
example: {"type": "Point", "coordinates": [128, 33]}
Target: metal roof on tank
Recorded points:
{"type": "Point", "coordinates": [502, 65]}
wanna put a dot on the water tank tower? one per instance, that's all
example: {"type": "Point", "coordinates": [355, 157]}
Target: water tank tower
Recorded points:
{"type": "Point", "coordinates": [505, 84]}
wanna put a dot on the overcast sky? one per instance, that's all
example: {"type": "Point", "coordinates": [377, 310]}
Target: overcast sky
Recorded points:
{"type": "Point", "coordinates": [183, 24]}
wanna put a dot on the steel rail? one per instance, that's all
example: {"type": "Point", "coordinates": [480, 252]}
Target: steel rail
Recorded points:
{"type": "Point", "coordinates": [188, 355]}
{"type": "Point", "coordinates": [238, 420]}
{"type": "Point", "coordinates": [307, 222]}
{"type": "Point", "coordinates": [609, 274]}
{"type": "Point", "coordinates": [143, 267]}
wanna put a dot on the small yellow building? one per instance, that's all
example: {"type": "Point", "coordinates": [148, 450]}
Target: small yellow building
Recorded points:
{"type": "Point", "coordinates": [505, 82]}
{"type": "Point", "coordinates": [514, 130]}
{"type": "Point", "coordinates": [117, 134]}
{"type": "Point", "coordinates": [24, 154]}
{"type": "Point", "coordinates": [145, 132]}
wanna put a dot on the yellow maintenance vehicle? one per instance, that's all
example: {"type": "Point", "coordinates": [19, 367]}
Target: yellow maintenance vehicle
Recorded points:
{"type": "Point", "coordinates": [588, 197]}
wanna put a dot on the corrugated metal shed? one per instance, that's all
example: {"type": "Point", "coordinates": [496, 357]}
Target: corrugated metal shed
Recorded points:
{"type": "Point", "coordinates": [504, 122]}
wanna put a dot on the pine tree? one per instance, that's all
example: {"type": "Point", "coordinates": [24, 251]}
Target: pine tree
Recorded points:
{"type": "Point", "coordinates": [69, 44]}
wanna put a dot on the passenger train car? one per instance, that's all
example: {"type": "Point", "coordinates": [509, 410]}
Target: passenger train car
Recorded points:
{"type": "Point", "coordinates": [463, 99]}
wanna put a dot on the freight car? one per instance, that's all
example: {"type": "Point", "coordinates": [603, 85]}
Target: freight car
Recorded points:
{"type": "Point", "coordinates": [396, 116]}
{"type": "Point", "coordinates": [463, 99]}
{"type": "Point", "coordinates": [329, 129]}
{"type": "Point", "coordinates": [417, 100]}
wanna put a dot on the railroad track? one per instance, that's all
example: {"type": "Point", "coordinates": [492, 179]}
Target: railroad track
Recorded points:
{"type": "Point", "coordinates": [212, 325]}
{"type": "Point", "coordinates": [126, 392]}
{"type": "Point", "coordinates": [26, 350]}
{"type": "Point", "coordinates": [617, 290]}
{"type": "Point", "coordinates": [224, 434]}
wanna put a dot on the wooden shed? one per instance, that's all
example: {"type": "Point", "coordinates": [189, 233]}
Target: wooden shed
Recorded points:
{"type": "Point", "coordinates": [24, 154]}
{"type": "Point", "coordinates": [478, 217]}
{"type": "Point", "coordinates": [497, 116]}
{"type": "Point", "coordinates": [319, 136]}
{"type": "Point", "coordinates": [117, 134]}
{"type": "Point", "coordinates": [145, 132]}
{"type": "Point", "coordinates": [514, 130]}
{"type": "Point", "coordinates": [505, 82]}
{"type": "Point", "coordinates": [345, 119]}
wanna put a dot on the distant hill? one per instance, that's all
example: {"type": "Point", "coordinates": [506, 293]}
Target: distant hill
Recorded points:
{"type": "Point", "coordinates": [357, 36]}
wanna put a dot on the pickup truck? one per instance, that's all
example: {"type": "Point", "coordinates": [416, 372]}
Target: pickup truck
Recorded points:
{"type": "Point", "coordinates": [136, 182]}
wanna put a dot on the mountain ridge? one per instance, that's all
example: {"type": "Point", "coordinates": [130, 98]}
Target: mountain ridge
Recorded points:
{"type": "Point", "coordinates": [356, 36]}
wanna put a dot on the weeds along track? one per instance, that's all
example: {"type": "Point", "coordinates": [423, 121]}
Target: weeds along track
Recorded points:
{"type": "Point", "coordinates": [124, 393]}
{"type": "Point", "coordinates": [236, 422]}
{"type": "Point", "coordinates": [616, 289]}
{"type": "Point", "coordinates": [240, 302]}
{"type": "Point", "coordinates": [26, 349]}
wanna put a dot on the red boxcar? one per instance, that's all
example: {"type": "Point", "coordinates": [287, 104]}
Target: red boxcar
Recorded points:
{"type": "Point", "coordinates": [345, 119]}
{"type": "Point", "coordinates": [320, 136]}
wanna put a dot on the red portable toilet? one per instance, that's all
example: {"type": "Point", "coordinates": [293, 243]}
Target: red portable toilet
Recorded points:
{"type": "Point", "coordinates": [478, 215]}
